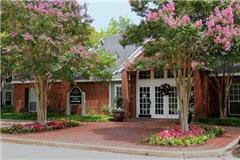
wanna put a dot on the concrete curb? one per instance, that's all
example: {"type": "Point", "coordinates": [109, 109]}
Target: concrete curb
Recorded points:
{"type": "Point", "coordinates": [148, 152]}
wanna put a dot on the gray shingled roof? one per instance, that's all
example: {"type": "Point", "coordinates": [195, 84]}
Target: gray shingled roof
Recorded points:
{"type": "Point", "coordinates": [113, 46]}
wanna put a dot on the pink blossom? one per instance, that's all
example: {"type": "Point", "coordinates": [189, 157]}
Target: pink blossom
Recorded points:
{"type": "Point", "coordinates": [238, 6]}
{"type": "Point", "coordinates": [185, 19]}
{"type": "Point", "coordinates": [27, 37]}
{"type": "Point", "coordinates": [176, 132]}
{"type": "Point", "coordinates": [217, 40]}
{"type": "Point", "coordinates": [152, 16]}
{"type": "Point", "coordinates": [221, 28]}
{"type": "Point", "coordinates": [169, 7]}
{"type": "Point", "coordinates": [13, 34]}
{"type": "Point", "coordinates": [198, 23]}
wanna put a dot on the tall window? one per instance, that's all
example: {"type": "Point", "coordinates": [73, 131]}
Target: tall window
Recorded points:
{"type": "Point", "coordinates": [8, 97]}
{"type": "Point", "coordinates": [32, 100]}
{"type": "Point", "coordinates": [118, 91]}
{"type": "Point", "coordinates": [234, 99]}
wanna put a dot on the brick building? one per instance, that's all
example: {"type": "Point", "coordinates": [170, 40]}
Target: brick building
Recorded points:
{"type": "Point", "coordinates": [140, 91]}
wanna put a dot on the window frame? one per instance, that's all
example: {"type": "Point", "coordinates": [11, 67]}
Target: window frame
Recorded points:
{"type": "Point", "coordinates": [150, 75]}
{"type": "Point", "coordinates": [5, 96]}
{"type": "Point", "coordinates": [229, 101]}
{"type": "Point", "coordinates": [115, 89]}
{"type": "Point", "coordinates": [162, 73]}
{"type": "Point", "coordinates": [31, 91]}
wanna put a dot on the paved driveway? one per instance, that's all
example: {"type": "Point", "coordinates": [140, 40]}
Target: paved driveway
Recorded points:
{"type": "Point", "coordinates": [123, 134]}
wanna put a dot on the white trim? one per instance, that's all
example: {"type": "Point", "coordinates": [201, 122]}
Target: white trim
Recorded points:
{"type": "Point", "coordinates": [115, 89]}
{"type": "Point", "coordinates": [109, 95]}
{"type": "Point", "coordinates": [134, 55]}
{"type": "Point", "coordinates": [4, 96]}
{"type": "Point", "coordinates": [229, 102]}
{"type": "Point", "coordinates": [152, 83]}
{"type": "Point", "coordinates": [32, 91]}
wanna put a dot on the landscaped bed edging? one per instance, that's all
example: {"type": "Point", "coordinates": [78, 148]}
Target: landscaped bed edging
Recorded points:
{"type": "Point", "coordinates": [175, 137]}
{"type": "Point", "coordinates": [37, 127]}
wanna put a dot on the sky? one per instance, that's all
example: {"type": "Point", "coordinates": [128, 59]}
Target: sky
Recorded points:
{"type": "Point", "coordinates": [103, 10]}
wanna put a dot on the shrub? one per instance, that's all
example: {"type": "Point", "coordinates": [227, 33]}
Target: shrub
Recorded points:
{"type": "Point", "coordinates": [235, 122]}
{"type": "Point", "coordinates": [105, 109]}
{"type": "Point", "coordinates": [175, 137]}
{"type": "Point", "coordinates": [72, 123]}
{"type": "Point", "coordinates": [37, 127]}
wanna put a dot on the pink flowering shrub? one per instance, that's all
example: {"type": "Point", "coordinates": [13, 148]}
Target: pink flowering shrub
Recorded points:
{"type": "Point", "coordinates": [56, 124]}
{"type": "Point", "coordinates": [221, 27]}
{"type": "Point", "coordinates": [37, 127]}
{"type": "Point", "coordinates": [176, 137]}
{"type": "Point", "coordinates": [176, 132]}
{"type": "Point", "coordinates": [167, 14]}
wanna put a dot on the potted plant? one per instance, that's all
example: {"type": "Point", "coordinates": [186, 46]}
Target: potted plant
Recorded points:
{"type": "Point", "coordinates": [118, 111]}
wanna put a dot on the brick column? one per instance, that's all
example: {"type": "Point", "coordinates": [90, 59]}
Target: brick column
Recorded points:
{"type": "Point", "coordinates": [125, 93]}
{"type": "Point", "coordinates": [133, 94]}
{"type": "Point", "coordinates": [201, 94]}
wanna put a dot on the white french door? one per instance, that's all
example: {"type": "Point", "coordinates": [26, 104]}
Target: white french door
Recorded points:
{"type": "Point", "coordinates": [151, 102]}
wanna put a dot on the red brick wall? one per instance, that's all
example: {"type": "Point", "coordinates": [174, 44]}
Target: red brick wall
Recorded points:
{"type": "Point", "coordinates": [97, 94]}
{"type": "Point", "coordinates": [19, 96]}
{"type": "Point", "coordinates": [133, 94]}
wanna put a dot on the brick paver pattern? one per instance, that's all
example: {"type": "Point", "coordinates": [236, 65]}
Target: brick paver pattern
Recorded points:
{"type": "Point", "coordinates": [124, 134]}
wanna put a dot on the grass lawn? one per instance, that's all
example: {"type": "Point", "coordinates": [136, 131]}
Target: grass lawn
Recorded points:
{"type": "Point", "coordinates": [6, 113]}
{"type": "Point", "coordinates": [231, 121]}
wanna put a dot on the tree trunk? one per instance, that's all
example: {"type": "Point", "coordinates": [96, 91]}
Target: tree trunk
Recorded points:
{"type": "Point", "coordinates": [183, 86]}
{"type": "Point", "coordinates": [42, 92]}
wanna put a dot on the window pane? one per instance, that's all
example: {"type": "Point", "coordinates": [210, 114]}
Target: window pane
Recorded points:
{"type": "Point", "coordinates": [159, 74]}
{"type": "Point", "coordinates": [144, 74]}
{"type": "Point", "coordinates": [118, 91]}
{"type": "Point", "coordinates": [170, 74]}
{"type": "Point", "coordinates": [234, 98]}
{"type": "Point", "coordinates": [8, 98]}
{"type": "Point", "coordinates": [32, 106]}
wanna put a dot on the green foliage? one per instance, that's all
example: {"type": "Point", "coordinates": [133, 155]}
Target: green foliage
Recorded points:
{"type": "Point", "coordinates": [210, 132]}
{"type": "Point", "coordinates": [104, 109]}
{"type": "Point", "coordinates": [5, 114]}
{"type": "Point", "coordinates": [85, 118]}
{"type": "Point", "coordinates": [234, 122]}
{"type": "Point", "coordinates": [36, 127]}
{"type": "Point", "coordinates": [72, 123]}
{"type": "Point", "coordinates": [114, 27]}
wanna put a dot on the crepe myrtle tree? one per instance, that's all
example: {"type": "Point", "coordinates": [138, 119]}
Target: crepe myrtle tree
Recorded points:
{"type": "Point", "coordinates": [172, 40]}
{"type": "Point", "coordinates": [222, 48]}
{"type": "Point", "coordinates": [46, 41]}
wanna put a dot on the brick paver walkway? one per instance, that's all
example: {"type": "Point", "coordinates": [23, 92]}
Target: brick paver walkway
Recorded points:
{"type": "Point", "coordinates": [124, 134]}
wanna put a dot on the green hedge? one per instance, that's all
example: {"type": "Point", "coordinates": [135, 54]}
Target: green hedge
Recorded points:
{"type": "Point", "coordinates": [7, 113]}
{"type": "Point", "coordinates": [211, 132]}
{"type": "Point", "coordinates": [235, 122]}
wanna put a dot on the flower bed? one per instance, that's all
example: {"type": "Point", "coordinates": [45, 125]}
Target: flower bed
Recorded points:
{"type": "Point", "coordinates": [37, 127]}
{"type": "Point", "coordinates": [176, 137]}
